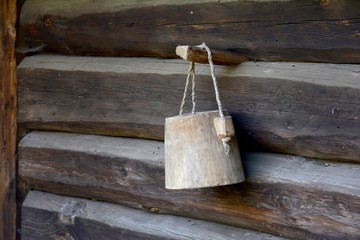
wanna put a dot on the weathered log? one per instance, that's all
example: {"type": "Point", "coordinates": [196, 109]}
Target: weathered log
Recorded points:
{"type": "Point", "coordinates": [283, 195]}
{"type": "Point", "coordinates": [8, 110]}
{"type": "Point", "coordinates": [49, 216]}
{"type": "Point", "coordinates": [321, 31]}
{"type": "Point", "coordinates": [298, 108]}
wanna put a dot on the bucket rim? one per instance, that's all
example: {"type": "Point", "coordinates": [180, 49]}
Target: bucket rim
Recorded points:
{"type": "Point", "coordinates": [225, 111]}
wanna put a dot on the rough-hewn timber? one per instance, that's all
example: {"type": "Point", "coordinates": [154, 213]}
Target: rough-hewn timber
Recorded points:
{"type": "Point", "coordinates": [7, 120]}
{"type": "Point", "coordinates": [49, 216]}
{"type": "Point", "coordinates": [303, 109]}
{"type": "Point", "coordinates": [320, 31]}
{"type": "Point", "coordinates": [283, 195]}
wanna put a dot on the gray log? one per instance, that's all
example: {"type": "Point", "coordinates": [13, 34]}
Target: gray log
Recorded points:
{"type": "Point", "coordinates": [50, 216]}
{"type": "Point", "coordinates": [307, 30]}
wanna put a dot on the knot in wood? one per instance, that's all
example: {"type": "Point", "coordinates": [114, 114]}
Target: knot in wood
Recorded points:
{"type": "Point", "coordinates": [70, 210]}
{"type": "Point", "coordinates": [47, 21]}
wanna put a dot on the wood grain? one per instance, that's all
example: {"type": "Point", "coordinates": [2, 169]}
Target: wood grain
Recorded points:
{"type": "Point", "coordinates": [49, 216]}
{"type": "Point", "coordinates": [8, 110]}
{"type": "Point", "coordinates": [303, 109]}
{"type": "Point", "coordinates": [284, 195]}
{"type": "Point", "coordinates": [316, 31]}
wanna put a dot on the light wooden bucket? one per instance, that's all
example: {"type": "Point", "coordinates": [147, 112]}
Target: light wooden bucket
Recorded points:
{"type": "Point", "coordinates": [201, 149]}
{"type": "Point", "coordinates": [194, 155]}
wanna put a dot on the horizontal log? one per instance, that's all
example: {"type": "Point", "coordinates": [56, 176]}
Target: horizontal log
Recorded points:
{"type": "Point", "coordinates": [321, 31]}
{"type": "Point", "coordinates": [297, 108]}
{"type": "Point", "coordinates": [284, 195]}
{"type": "Point", "coordinates": [50, 216]}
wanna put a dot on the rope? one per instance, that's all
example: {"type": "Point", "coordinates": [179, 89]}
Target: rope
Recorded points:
{"type": "Point", "coordinates": [193, 90]}
{"type": "Point", "coordinates": [226, 144]}
{"type": "Point", "coordinates": [224, 140]}
{"type": "Point", "coordinates": [212, 70]}
{"type": "Point", "coordinates": [191, 72]}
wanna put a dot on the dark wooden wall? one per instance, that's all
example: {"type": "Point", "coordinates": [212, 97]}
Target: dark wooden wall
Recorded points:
{"type": "Point", "coordinates": [8, 110]}
{"type": "Point", "coordinates": [304, 109]}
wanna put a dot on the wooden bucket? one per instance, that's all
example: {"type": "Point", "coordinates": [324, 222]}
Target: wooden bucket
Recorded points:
{"type": "Point", "coordinates": [201, 149]}
{"type": "Point", "coordinates": [194, 155]}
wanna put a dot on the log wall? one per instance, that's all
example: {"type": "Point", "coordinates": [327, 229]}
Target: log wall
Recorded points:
{"type": "Point", "coordinates": [283, 105]}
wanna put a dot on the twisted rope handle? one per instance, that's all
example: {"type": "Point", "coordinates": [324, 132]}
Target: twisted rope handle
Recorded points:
{"type": "Point", "coordinates": [191, 73]}
{"type": "Point", "coordinates": [212, 71]}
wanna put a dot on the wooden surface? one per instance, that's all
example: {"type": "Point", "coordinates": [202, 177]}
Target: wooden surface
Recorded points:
{"type": "Point", "coordinates": [194, 155]}
{"type": "Point", "coordinates": [49, 216]}
{"type": "Point", "coordinates": [284, 195]}
{"type": "Point", "coordinates": [7, 120]}
{"type": "Point", "coordinates": [303, 109]}
{"type": "Point", "coordinates": [316, 31]}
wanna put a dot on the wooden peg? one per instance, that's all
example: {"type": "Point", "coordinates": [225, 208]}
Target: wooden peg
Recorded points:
{"type": "Point", "coordinates": [224, 127]}
{"type": "Point", "coordinates": [219, 57]}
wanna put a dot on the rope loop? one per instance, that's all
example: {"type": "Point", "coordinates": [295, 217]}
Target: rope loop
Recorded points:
{"type": "Point", "coordinates": [212, 71]}
{"type": "Point", "coordinates": [191, 73]}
